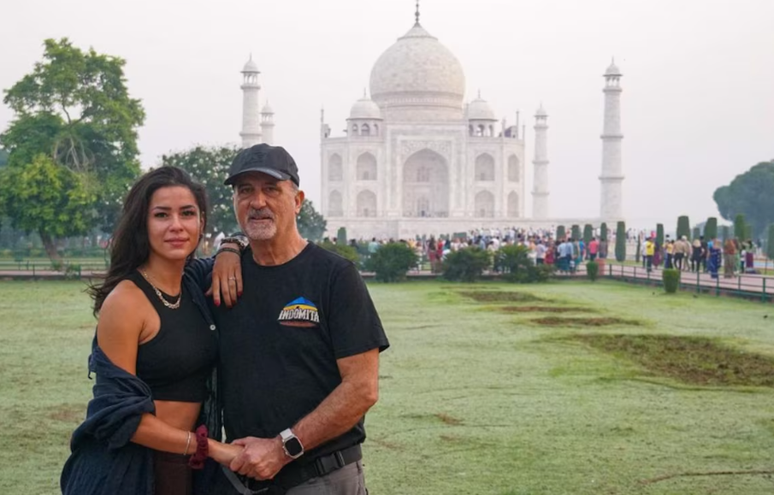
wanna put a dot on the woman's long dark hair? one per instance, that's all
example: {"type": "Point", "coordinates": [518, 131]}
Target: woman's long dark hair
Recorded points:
{"type": "Point", "coordinates": [130, 247]}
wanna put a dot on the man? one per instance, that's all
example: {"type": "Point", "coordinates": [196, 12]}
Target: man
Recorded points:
{"type": "Point", "coordinates": [650, 251]}
{"type": "Point", "coordinates": [299, 353]}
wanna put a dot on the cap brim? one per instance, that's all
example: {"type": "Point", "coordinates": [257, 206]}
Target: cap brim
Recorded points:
{"type": "Point", "coordinates": [268, 171]}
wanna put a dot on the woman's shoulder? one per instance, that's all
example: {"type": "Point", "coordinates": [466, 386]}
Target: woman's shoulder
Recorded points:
{"type": "Point", "coordinates": [125, 298]}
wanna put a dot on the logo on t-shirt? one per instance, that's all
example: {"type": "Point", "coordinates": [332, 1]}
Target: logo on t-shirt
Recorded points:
{"type": "Point", "coordinates": [300, 312]}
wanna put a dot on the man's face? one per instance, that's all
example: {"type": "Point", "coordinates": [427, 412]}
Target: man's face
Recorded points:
{"type": "Point", "coordinates": [265, 207]}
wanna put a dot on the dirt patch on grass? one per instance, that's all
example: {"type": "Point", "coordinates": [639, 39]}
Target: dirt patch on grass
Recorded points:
{"type": "Point", "coordinates": [568, 321]}
{"type": "Point", "coordinates": [68, 413]}
{"type": "Point", "coordinates": [545, 309]}
{"type": "Point", "coordinates": [492, 296]}
{"type": "Point", "coordinates": [449, 420]}
{"type": "Point", "coordinates": [693, 360]}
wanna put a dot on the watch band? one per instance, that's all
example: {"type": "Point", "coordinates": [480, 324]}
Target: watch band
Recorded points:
{"type": "Point", "coordinates": [288, 436]}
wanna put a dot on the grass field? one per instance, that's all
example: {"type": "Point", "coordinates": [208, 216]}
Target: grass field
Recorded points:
{"type": "Point", "coordinates": [476, 396]}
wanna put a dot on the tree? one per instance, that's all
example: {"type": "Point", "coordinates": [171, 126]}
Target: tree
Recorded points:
{"type": "Point", "coordinates": [576, 232]}
{"type": "Point", "coordinates": [770, 243]}
{"type": "Point", "coordinates": [341, 236]}
{"type": "Point", "coordinates": [660, 234]}
{"type": "Point", "coordinates": [311, 224]}
{"type": "Point", "coordinates": [560, 233]}
{"type": "Point", "coordinates": [209, 166]}
{"type": "Point", "coordinates": [711, 228]}
{"type": "Point", "coordinates": [74, 107]}
{"type": "Point", "coordinates": [603, 232]}
{"type": "Point", "coordinates": [3, 157]}
{"type": "Point", "coordinates": [725, 232]}
{"type": "Point", "coordinates": [683, 227]}
{"type": "Point", "coordinates": [748, 233]}
{"type": "Point", "coordinates": [750, 194]}
{"type": "Point", "coordinates": [46, 198]}
{"type": "Point", "coordinates": [620, 242]}
{"type": "Point", "coordinates": [739, 226]}
{"type": "Point", "coordinates": [588, 233]}
{"type": "Point", "coordinates": [696, 233]}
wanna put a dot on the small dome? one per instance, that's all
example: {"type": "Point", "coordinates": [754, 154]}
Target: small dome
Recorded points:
{"type": "Point", "coordinates": [541, 112]}
{"type": "Point", "coordinates": [479, 109]}
{"type": "Point", "coordinates": [250, 66]}
{"type": "Point", "coordinates": [267, 109]}
{"type": "Point", "coordinates": [613, 70]}
{"type": "Point", "coordinates": [365, 108]}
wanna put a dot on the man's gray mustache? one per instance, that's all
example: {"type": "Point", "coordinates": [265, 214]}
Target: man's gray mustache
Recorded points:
{"type": "Point", "coordinates": [260, 214]}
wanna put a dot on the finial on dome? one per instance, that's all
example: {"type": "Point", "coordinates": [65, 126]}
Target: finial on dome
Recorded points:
{"type": "Point", "coordinates": [416, 14]}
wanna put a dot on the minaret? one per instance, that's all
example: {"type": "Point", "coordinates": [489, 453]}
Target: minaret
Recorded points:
{"type": "Point", "coordinates": [611, 179]}
{"type": "Point", "coordinates": [251, 118]}
{"type": "Point", "coordinates": [540, 190]}
{"type": "Point", "coordinates": [267, 124]}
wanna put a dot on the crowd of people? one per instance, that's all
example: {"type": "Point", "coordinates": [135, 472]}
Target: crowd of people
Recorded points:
{"type": "Point", "coordinates": [709, 256]}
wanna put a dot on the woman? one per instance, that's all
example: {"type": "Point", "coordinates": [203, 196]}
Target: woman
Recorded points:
{"type": "Point", "coordinates": [696, 255]}
{"type": "Point", "coordinates": [714, 257]}
{"type": "Point", "coordinates": [729, 258]}
{"type": "Point", "coordinates": [153, 352]}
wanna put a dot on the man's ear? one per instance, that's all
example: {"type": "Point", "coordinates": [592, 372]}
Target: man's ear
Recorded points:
{"type": "Point", "coordinates": [299, 200]}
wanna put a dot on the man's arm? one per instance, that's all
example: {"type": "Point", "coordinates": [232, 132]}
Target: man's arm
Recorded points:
{"type": "Point", "coordinates": [262, 458]}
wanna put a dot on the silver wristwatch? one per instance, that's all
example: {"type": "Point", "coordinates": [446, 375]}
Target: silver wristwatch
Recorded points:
{"type": "Point", "coordinates": [291, 444]}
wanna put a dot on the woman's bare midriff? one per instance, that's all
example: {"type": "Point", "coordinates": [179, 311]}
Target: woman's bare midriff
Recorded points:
{"type": "Point", "coordinates": [182, 415]}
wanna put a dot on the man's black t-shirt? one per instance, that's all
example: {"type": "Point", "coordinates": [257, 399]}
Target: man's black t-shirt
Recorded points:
{"type": "Point", "coordinates": [280, 343]}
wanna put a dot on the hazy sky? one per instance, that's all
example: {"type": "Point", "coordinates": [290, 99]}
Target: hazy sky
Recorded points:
{"type": "Point", "coordinates": [698, 100]}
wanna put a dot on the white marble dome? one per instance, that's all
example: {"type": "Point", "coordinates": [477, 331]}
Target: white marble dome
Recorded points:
{"type": "Point", "coordinates": [613, 70]}
{"type": "Point", "coordinates": [250, 66]}
{"type": "Point", "coordinates": [479, 109]}
{"type": "Point", "coordinates": [365, 108]}
{"type": "Point", "coordinates": [418, 73]}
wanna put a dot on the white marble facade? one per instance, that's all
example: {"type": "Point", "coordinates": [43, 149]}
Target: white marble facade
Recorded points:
{"type": "Point", "coordinates": [415, 158]}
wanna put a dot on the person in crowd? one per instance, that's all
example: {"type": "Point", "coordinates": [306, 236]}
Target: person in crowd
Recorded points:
{"type": "Point", "coordinates": [714, 257]}
{"type": "Point", "coordinates": [729, 258]}
{"type": "Point", "coordinates": [593, 249]}
{"type": "Point", "coordinates": [697, 255]}
{"type": "Point", "coordinates": [650, 252]}
{"type": "Point", "coordinates": [153, 353]}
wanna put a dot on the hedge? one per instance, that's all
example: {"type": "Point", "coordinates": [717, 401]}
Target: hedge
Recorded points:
{"type": "Point", "coordinates": [671, 278]}
{"type": "Point", "coordinates": [620, 242]}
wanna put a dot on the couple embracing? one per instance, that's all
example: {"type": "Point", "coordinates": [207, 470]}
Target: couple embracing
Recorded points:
{"type": "Point", "coordinates": [287, 372]}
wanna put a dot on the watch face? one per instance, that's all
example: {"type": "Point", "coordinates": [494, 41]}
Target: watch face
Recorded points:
{"type": "Point", "coordinates": [293, 446]}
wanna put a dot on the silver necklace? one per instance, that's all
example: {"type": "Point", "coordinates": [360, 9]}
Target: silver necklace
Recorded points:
{"type": "Point", "coordinates": [166, 303]}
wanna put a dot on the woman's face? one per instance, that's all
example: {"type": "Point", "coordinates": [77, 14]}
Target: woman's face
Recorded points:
{"type": "Point", "coordinates": [174, 223]}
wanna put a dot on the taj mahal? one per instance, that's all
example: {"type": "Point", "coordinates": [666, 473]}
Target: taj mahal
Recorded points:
{"type": "Point", "coordinates": [417, 159]}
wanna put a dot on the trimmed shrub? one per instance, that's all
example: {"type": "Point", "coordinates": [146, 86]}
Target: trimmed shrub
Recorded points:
{"type": "Point", "coordinates": [341, 236]}
{"type": "Point", "coordinates": [517, 267]}
{"type": "Point", "coordinates": [638, 251]}
{"type": "Point", "coordinates": [711, 228]}
{"type": "Point", "coordinates": [560, 233]}
{"type": "Point", "coordinates": [671, 278]}
{"type": "Point", "coordinates": [725, 232]}
{"type": "Point", "coordinates": [620, 242]}
{"type": "Point", "coordinates": [770, 243]}
{"type": "Point", "coordinates": [603, 232]}
{"type": "Point", "coordinates": [541, 273]}
{"type": "Point", "coordinates": [466, 265]}
{"type": "Point", "coordinates": [392, 261]}
{"type": "Point", "coordinates": [588, 233]}
{"type": "Point", "coordinates": [748, 233]}
{"type": "Point", "coordinates": [696, 233]}
{"type": "Point", "coordinates": [342, 250]}
{"type": "Point", "coordinates": [683, 227]}
{"type": "Point", "coordinates": [660, 234]}
{"type": "Point", "coordinates": [576, 232]}
{"type": "Point", "coordinates": [592, 270]}
{"type": "Point", "coordinates": [739, 226]}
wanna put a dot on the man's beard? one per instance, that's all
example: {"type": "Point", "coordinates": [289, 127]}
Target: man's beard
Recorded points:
{"type": "Point", "coordinates": [260, 231]}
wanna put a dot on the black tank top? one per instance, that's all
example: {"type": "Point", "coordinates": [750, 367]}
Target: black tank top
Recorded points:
{"type": "Point", "coordinates": [178, 360]}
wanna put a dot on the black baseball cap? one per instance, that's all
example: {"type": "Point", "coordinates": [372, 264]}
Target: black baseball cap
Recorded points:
{"type": "Point", "coordinates": [271, 160]}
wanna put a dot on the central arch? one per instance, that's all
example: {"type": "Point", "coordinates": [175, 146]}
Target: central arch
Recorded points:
{"type": "Point", "coordinates": [426, 185]}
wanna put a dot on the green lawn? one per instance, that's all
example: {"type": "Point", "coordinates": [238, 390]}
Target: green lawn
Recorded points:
{"type": "Point", "coordinates": [474, 400]}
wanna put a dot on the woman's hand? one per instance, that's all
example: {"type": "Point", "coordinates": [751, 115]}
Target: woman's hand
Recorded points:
{"type": "Point", "coordinates": [226, 277]}
{"type": "Point", "coordinates": [224, 453]}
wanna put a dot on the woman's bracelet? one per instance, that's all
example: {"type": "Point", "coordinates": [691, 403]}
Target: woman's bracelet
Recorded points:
{"type": "Point", "coordinates": [227, 249]}
{"type": "Point", "coordinates": [187, 444]}
{"type": "Point", "coordinates": [202, 449]}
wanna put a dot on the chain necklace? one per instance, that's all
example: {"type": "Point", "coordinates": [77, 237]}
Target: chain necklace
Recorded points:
{"type": "Point", "coordinates": [166, 303]}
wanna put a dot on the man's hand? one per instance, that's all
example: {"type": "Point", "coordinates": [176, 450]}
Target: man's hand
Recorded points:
{"type": "Point", "coordinates": [262, 458]}
{"type": "Point", "coordinates": [226, 277]}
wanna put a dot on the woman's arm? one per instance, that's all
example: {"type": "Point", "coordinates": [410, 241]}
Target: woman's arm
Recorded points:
{"type": "Point", "coordinates": [126, 319]}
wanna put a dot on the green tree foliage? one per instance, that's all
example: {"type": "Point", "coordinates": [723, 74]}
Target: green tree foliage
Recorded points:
{"type": "Point", "coordinates": [517, 267]}
{"type": "Point", "coordinates": [683, 227]}
{"type": "Point", "coordinates": [576, 232]}
{"type": "Point", "coordinates": [620, 242]}
{"type": "Point", "coordinates": [311, 224]}
{"type": "Point", "coordinates": [210, 167]}
{"type": "Point", "coordinates": [588, 233]}
{"type": "Point", "coordinates": [465, 265]}
{"type": "Point", "coordinates": [750, 194]}
{"type": "Point", "coordinates": [342, 250]}
{"type": "Point", "coordinates": [46, 198]}
{"type": "Point", "coordinates": [739, 226]}
{"type": "Point", "coordinates": [75, 108]}
{"type": "Point", "coordinates": [341, 236]}
{"type": "Point", "coordinates": [696, 233]}
{"type": "Point", "coordinates": [560, 233]}
{"type": "Point", "coordinates": [392, 261]}
{"type": "Point", "coordinates": [711, 228]}
{"type": "Point", "coordinates": [660, 234]}
{"type": "Point", "coordinates": [592, 270]}
{"type": "Point", "coordinates": [3, 157]}
{"type": "Point", "coordinates": [770, 243]}
{"type": "Point", "coordinates": [748, 233]}
{"type": "Point", "coordinates": [603, 232]}
{"type": "Point", "coordinates": [725, 232]}
{"type": "Point", "coordinates": [671, 279]}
